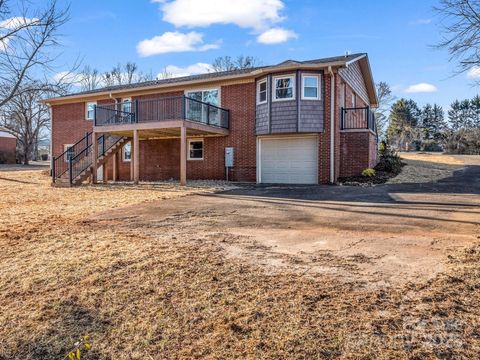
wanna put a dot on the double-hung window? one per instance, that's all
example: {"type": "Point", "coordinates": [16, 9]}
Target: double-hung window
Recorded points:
{"type": "Point", "coordinates": [126, 105]}
{"type": "Point", "coordinates": [310, 88]}
{"type": "Point", "coordinates": [127, 152]}
{"type": "Point", "coordinates": [197, 108]}
{"type": "Point", "coordinates": [195, 149]}
{"type": "Point", "coordinates": [90, 110]}
{"type": "Point", "coordinates": [69, 152]}
{"type": "Point", "coordinates": [284, 87]}
{"type": "Point", "coordinates": [262, 91]}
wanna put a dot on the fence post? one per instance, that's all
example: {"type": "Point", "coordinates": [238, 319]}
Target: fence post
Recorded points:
{"type": "Point", "coordinates": [208, 114]}
{"type": "Point", "coordinates": [342, 118]}
{"type": "Point", "coordinates": [135, 114]}
{"type": "Point", "coordinates": [103, 145]}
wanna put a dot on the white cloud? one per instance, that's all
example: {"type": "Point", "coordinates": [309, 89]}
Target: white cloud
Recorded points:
{"type": "Point", "coordinates": [174, 42]}
{"type": "Point", "coordinates": [276, 36]}
{"type": "Point", "coordinates": [421, 22]}
{"type": "Point", "coordinates": [17, 21]}
{"type": "Point", "coordinates": [194, 69]}
{"type": "Point", "coordinates": [254, 14]}
{"type": "Point", "coordinates": [474, 72]}
{"type": "Point", "coordinates": [421, 88]}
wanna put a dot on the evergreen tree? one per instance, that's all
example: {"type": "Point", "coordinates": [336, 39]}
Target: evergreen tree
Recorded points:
{"type": "Point", "coordinates": [465, 114]}
{"type": "Point", "coordinates": [475, 111]}
{"type": "Point", "coordinates": [403, 130]}
{"type": "Point", "coordinates": [439, 121]}
{"type": "Point", "coordinates": [455, 115]}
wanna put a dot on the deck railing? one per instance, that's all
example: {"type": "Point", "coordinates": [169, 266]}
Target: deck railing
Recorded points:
{"type": "Point", "coordinates": [357, 118]}
{"type": "Point", "coordinates": [161, 109]}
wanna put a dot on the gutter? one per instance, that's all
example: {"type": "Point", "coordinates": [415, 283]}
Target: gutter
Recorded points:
{"type": "Point", "coordinates": [332, 125]}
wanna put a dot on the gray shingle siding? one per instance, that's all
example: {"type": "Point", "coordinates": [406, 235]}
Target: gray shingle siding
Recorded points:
{"type": "Point", "coordinates": [291, 116]}
{"type": "Point", "coordinates": [353, 76]}
{"type": "Point", "coordinates": [262, 119]}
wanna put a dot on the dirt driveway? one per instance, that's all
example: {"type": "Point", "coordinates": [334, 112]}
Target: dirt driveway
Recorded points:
{"type": "Point", "coordinates": [388, 234]}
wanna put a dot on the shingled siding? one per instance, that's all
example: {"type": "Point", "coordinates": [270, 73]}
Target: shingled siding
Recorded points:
{"type": "Point", "coordinates": [262, 119]}
{"type": "Point", "coordinates": [353, 76]}
{"type": "Point", "coordinates": [283, 117]}
{"type": "Point", "coordinates": [291, 116]}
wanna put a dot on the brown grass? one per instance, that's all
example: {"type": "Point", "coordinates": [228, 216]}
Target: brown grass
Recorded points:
{"type": "Point", "coordinates": [159, 292]}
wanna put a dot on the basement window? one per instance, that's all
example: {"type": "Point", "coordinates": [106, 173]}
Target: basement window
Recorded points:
{"type": "Point", "coordinates": [195, 149]}
{"type": "Point", "coordinates": [127, 152]}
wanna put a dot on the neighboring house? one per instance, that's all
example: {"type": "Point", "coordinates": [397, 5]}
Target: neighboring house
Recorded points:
{"type": "Point", "coordinates": [298, 122]}
{"type": "Point", "coordinates": [8, 148]}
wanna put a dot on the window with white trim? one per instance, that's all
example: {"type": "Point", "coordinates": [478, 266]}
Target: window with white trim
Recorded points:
{"type": "Point", "coordinates": [284, 87]}
{"type": "Point", "coordinates": [127, 152]}
{"type": "Point", "coordinates": [90, 110]}
{"type": "Point", "coordinates": [126, 105]}
{"type": "Point", "coordinates": [354, 100]}
{"type": "Point", "coordinates": [195, 149]}
{"type": "Point", "coordinates": [310, 88]}
{"type": "Point", "coordinates": [262, 91]}
{"type": "Point", "coordinates": [69, 152]}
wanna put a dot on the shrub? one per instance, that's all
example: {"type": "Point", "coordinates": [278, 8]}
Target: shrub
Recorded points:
{"type": "Point", "coordinates": [389, 160]}
{"type": "Point", "coordinates": [368, 172]}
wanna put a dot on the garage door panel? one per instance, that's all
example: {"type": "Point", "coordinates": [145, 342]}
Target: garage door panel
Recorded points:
{"type": "Point", "coordinates": [289, 160]}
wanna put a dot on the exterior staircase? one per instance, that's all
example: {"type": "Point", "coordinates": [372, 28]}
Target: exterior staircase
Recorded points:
{"type": "Point", "coordinates": [75, 165]}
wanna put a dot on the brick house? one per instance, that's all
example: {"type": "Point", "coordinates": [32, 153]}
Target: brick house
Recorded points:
{"type": "Point", "coordinates": [8, 148]}
{"type": "Point", "coordinates": [300, 122]}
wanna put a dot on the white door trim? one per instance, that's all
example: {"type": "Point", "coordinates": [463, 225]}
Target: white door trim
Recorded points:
{"type": "Point", "coordinates": [275, 137]}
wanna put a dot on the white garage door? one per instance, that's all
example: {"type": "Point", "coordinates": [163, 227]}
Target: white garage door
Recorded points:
{"type": "Point", "coordinates": [289, 160]}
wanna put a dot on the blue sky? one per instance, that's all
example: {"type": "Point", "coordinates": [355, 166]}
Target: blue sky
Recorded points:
{"type": "Point", "coordinates": [184, 34]}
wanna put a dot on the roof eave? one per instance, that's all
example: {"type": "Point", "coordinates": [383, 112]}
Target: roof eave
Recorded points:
{"type": "Point", "coordinates": [253, 74]}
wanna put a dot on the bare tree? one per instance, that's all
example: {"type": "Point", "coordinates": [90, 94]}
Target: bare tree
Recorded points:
{"type": "Point", "coordinates": [227, 63]}
{"type": "Point", "coordinates": [461, 31]}
{"type": "Point", "coordinates": [26, 117]}
{"type": "Point", "coordinates": [26, 38]}
{"type": "Point", "coordinates": [90, 78]}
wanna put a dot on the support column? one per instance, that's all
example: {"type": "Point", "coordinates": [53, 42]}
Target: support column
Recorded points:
{"type": "Point", "coordinates": [94, 157]}
{"type": "Point", "coordinates": [183, 156]}
{"type": "Point", "coordinates": [136, 157]}
{"type": "Point", "coordinates": [104, 171]}
{"type": "Point", "coordinates": [131, 159]}
{"type": "Point", "coordinates": [115, 166]}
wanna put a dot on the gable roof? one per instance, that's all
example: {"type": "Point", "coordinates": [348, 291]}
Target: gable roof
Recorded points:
{"type": "Point", "coordinates": [336, 61]}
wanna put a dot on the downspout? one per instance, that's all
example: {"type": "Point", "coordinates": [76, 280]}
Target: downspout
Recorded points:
{"type": "Point", "coordinates": [332, 125]}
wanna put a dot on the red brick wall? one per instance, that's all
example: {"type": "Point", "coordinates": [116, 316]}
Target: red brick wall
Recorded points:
{"type": "Point", "coordinates": [69, 124]}
{"type": "Point", "coordinates": [8, 150]}
{"type": "Point", "coordinates": [358, 152]}
{"type": "Point", "coordinates": [160, 159]}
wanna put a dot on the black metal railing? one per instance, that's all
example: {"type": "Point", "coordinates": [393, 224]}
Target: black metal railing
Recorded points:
{"type": "Point", "coordinates": [60, 164]}
{"type": "Point", "coordinates": [162, 109]}
{"type": "Point", "coordinates": [357, 118]}
{"type": "Point", "coordinates": [78, 158]}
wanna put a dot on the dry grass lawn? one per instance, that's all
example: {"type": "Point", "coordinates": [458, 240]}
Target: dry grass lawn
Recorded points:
{"type": "Point", "coordinates": [164, 293]}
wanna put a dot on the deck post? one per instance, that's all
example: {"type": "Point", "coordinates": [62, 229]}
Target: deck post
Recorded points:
{"type": "Point", "coordinates": [131, 159]}
{"type": "Point", "coordinates": [115, 166]}
{"type": "Point", "coordinates": [183, 155]}
{"type": "Point", "coordinates": [94, 157]}
{"type": "Point", "coordinates": [136, 157]}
